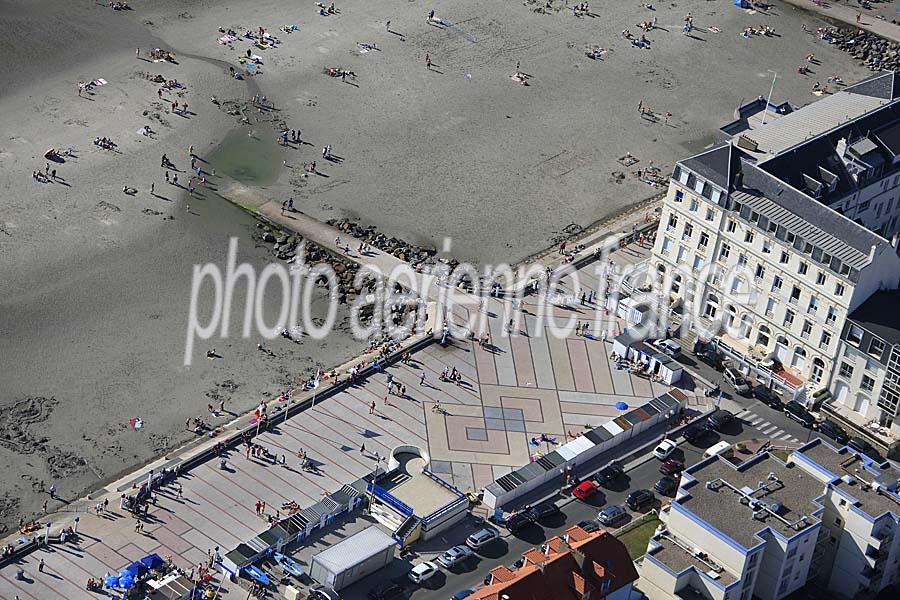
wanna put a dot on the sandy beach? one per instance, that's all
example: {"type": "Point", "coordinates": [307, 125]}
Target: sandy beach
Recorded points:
{"type": "Point", "coordinates": [96, 282]}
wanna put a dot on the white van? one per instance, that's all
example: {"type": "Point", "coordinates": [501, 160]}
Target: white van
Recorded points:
{"type": "Point", "coordinates": [717, 449]}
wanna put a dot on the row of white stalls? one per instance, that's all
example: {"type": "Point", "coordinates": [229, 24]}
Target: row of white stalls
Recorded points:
{"type": "Point", "coordinates": [554, 465]}
{"type": "Point", "coordinates": [631, 348]}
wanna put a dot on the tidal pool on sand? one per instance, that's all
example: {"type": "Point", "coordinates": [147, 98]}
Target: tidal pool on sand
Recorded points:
{"type": "Point", "coordinates": [246, 156]}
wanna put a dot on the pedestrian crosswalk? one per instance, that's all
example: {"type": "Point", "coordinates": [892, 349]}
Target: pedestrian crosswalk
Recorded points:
{"type": "Point", "coordinates": [765, 427]}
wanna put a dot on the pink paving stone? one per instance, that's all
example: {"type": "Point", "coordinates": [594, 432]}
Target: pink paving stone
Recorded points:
{"type": "Point", "coordinates": [482, 475]}
{"type": "Point", "coordinates": [581, 367]}
{"type": "Point", "coordinates": [132, 552]}
{"type": "Point", "coordinates": [521, 350]}
{"type": "Point", "coordinates": [177, 558]}
{"type": "Point", "coordinates": [487, 370]}
{"type": "Point", "coordinates": [457, 440]}
{"type": "Point", "coordinates": [176, 525]}
{"type": "Point", "coordinates": [530, 407]}
{"type": "Point", "coordinates": [109, 557]}
{"type": "Point", "coordinates": [172, 540]}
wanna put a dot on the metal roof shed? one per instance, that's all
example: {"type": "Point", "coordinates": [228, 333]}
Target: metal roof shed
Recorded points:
{"type": "Point", "coordinates": [353, 558]}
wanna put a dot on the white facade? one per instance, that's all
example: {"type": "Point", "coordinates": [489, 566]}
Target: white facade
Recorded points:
{"type": "Point", "coordinates": [851, 550]}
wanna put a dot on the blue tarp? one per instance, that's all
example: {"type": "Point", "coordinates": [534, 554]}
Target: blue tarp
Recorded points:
{"type": "Point", "coordinates": [111, 581]}
{"type": "Point", "coordinates": [135, 569]}
{"type": "Point", "coordinates": [153, 561]}
{"type": "Point", "coordinates": [126, 582]}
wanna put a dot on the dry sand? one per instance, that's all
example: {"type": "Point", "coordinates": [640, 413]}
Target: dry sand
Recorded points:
{"type": "Point", "coordinates": [96, 283]}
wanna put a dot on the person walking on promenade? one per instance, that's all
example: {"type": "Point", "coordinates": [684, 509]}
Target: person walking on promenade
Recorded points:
{"type": "Point", "coordinates": [372, 408]}
{"type": "Point", "coordinates": [422, 380]}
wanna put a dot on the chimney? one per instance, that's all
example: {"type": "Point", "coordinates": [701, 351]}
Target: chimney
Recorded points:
{"type": "Point", "coordinates": [841, 147]}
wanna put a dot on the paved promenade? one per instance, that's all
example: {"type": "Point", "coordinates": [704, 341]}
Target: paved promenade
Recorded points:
{"type": "Point", "coordinates": [512, 390]}
{"type": "Point", "coordinates": [847, 15]}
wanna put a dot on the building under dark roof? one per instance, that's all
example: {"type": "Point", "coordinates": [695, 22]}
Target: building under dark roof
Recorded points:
{"type": "Point", "coordinates": [880, 315]}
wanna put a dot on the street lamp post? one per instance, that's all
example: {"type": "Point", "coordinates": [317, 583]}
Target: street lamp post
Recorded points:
{"type": "Point", "coordinates": [374, 475]}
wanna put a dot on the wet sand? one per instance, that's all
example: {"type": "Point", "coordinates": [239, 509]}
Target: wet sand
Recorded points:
{"type": "Point", "coordinates": [96, 283]}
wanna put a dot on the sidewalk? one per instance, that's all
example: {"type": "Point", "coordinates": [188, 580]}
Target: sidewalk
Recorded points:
{"type": "Point", "coordinates": [847, 15]}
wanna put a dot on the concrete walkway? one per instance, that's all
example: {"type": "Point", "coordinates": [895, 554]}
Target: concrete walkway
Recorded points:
{"type": "Point", "coordinates": [847, 14]}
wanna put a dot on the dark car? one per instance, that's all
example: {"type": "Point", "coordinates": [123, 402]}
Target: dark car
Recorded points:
{"type": "Point", "coordinates": [639, 499]}
{"type": "Point", "coordinates": [861, 445]}
{"type": "Point", "coordinates": [544, 510]}
{"type": "Point", "coordinates": [608, 473]}
{"type": "Point", "coordinates": [386, 590]}
{"type": "Point", "coordinates": [796, 411]}
{"type": "Point", "coordinates": [589, 526]}
{"type": "Point", "coordinates": [671, 466]}
{"type": "Point", "coordinates": [768, 397]}
{"type": "Point", "coordinates": [720, 419]}
{"type": "Point", "coordinates": [694, 434]}
{"type": "Point", "coordinates": [519, 521]}
{"type": "Point", "coordinates": [666, 485]}
{"type": "Point", "coordinates": [713, 358]}
{"type": "Point", "coordinates": [834, 431]}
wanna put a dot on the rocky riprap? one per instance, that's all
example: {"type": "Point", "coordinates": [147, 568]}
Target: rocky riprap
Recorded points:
{"type": "Point", "coordinates": [872, 51]}
{"type": "Point", "coordinates": [417, 256]}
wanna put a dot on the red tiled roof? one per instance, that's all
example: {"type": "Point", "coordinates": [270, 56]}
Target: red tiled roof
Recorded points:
{"type": "Point", "coordinates": [568, 571]}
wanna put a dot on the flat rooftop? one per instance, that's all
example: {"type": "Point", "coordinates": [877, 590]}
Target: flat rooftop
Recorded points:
{"type": "Point", "coordinates": [679, 559]}
{"type": "Point", "coordinates": [791, 491]}
{"type": "Point", "coordinates": [858, 478]}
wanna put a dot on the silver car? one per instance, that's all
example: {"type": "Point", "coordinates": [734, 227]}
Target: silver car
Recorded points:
{"type": "Point", "coordinates": [611, 514]}
{"type": "Point", "coordinates": [482, 537]}
{"type": "Point", "coordinates": [454, 556]}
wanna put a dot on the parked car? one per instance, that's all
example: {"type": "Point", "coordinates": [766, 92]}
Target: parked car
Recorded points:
{"type": "Point", "coordinates": [320, 592]}
{"type": "Point", "coordinates": [422, 572]}
{"type": "Point", "coordinates": [796, 411]}
{"type": "Point", "coordinates": [462, 594]}
{"type": "Point", "coordinates": [608, 473]}
{"type": "Point", "coordinates": [668, 347]}
{"type": "Point", "coordinates": [694, 434]}
{"type": "Point", "coordinates": [519, 521]}
{"type": "Point", "coordinates": [482, 538]}
{"type": "Point", "coordinates": [611, 514]}
{"type": "Point", "coordinates": [861, 445]}
{"type": "Point", "coordinates": [586, 489]}
{"type": "Point", "coordinates": [737, 381]}
{"type": "Point", "coordinates": [589, 526]}
{"type": "Point", "coordinates": [454, 556]}
{"type": "Point", "coordinates": [639, 499]}
{"type": "Point", "coordinates": [671, 466]}
{"type": "Point", "coordinates": [834, 431]}
{"type": "Point", "coordinates": [544, 510]}
{"type": "Point", "coordinates": [666, 485]}
{"type": "Point", "coordinates": [719, 419]}
{"type": "Point", "coordinates": [664, 449]}
{"type": "Point", "coordinates": [717, 449]}
{"type": "Point", "coordinates": [386, 590]}
{"type": "Point", "coordinates": [768, 397]}
{"type": "Point", "coordinates": [713, 358]}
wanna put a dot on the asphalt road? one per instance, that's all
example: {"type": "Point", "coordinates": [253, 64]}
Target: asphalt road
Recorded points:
{"type": "Point", "coordinates": [509, 548]}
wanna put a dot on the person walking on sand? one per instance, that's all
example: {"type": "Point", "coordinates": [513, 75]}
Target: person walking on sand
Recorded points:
{"type": "Point", "coordinates": [427, 61]}
{"type": "Point", "coordinates": [191, 147]}
{"type": "Point", "coordinates": [137, 52]}
{"type": "Point", "coordinates": [152, 188]}
{"type": "Point", "coordinates": [388, 25]}
{"type": "Point", "coordinates": [175, 179]}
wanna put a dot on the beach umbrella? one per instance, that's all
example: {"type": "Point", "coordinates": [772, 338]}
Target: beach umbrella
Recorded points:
{"type": "Point", "coordinates": [622, 405]}
{"type": "Point", "coordinates": [111, 581]}
{"type": "Point", "coordinates": [126, 582]}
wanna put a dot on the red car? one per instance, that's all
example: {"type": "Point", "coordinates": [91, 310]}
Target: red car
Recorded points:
{"type": "Point", "coordinates": [671, 467]}
{"type": "Point", "coordinates": [585, 489]}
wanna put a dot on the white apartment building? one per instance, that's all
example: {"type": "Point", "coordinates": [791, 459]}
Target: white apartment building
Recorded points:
{"type": "Point", "coordinates": [764, 528]}
{"type": "Point", "coordinates": [865, 385]}
{"type": "Point", "coordinates": [805, 209]}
